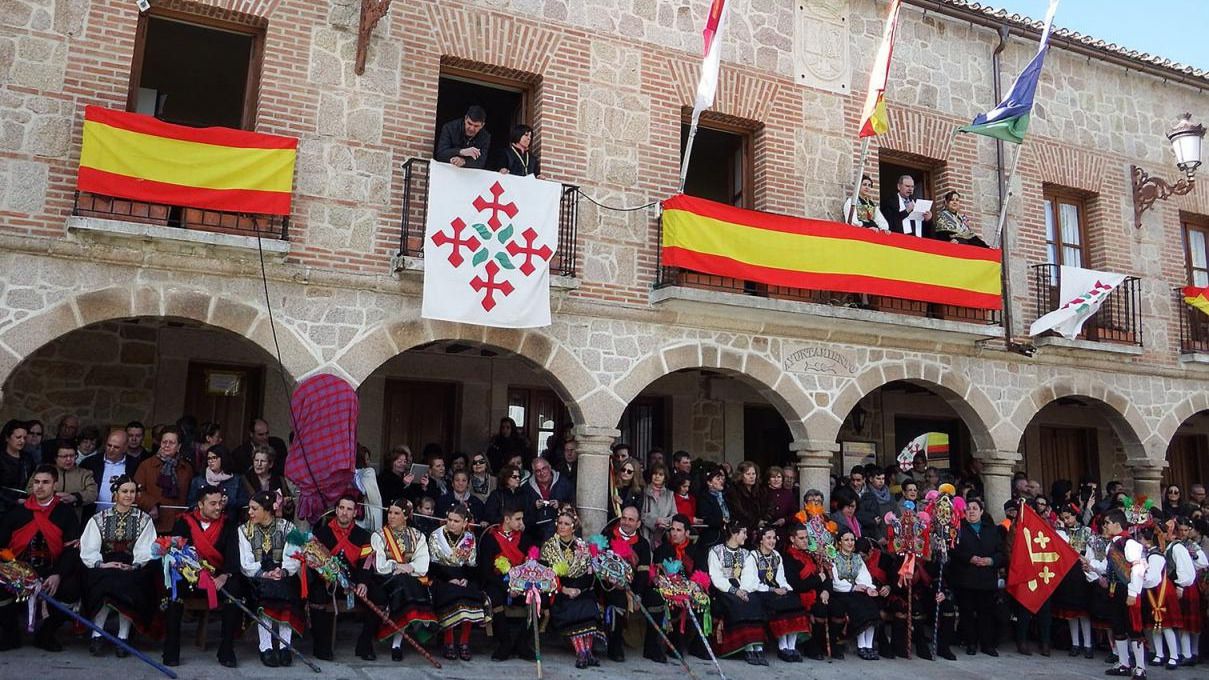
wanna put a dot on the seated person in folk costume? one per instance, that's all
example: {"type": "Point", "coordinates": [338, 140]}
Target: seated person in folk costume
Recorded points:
{"type": "Point", "coordinates": [268, 562]}
{"type": "Point", "coordinates": [809, 580]}
{"type": "Point", "coordinates": [740, 617]}
{"type": "Point", "coordinates": [574, 611]}
{"type": "Point", "coordinates": [401, 561]}
{"type": "Point", "coordinates": [115, 549]}
{"type": "Point", "coordinates": [677, 546]}
{"type": "Point", "coordinates": [853, 595]}
{"type": "Point", "coordinates": [212, 533]}
{"type": "Point", "coordinates": [627, 530]}
{"type": "Point", "coordinates": [458, 602]}
{"type": "Point", "coordinates": [764, 578]}
{"type": "Point", "coordinates": [349, 543]}
{"type": "Point", "coordinates": [503, 547]}
{"type": "Point", "coordinates": [42, 533]}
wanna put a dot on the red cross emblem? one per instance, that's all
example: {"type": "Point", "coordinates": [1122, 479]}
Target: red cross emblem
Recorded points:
{"type": "Point", "coordinates": [470, 243]}
{"type": "Point", "coordinates": [488, 286]}
{"type": "Point", "coordinates": [482, 205]}
{"type": "Point", "coordinates": [543, 253]}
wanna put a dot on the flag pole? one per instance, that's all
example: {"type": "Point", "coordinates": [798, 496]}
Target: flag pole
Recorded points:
{"type": "Point", "coordinates": [856, 180]}
{"type": "Point", "coordinates": [688, 152]}
{"type": "Point", "coordinates": [1007, 197]}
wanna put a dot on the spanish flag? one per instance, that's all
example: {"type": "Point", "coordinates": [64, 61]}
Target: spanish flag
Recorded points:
{"type": "Point", "coordinates": [130, 155]}
{"type": "Point", "coordinates": [873, 119]}
{"type": "Point", "coordinates": [1197, 297]}
{"type": "Point", "coordinates": [779, 250]}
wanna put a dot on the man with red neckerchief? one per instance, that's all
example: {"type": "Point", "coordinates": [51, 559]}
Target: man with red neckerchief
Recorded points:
{"type": "Point", "coordinates": [639, 556]}
{"type": "Point", "coordinates": [42, 532]}
{"type": "Point", "coordinates": [351, 544]}
{"type": "Point", "coordinates": [508, 541]}
{"type": "Point", "coordinates": [678, 547]}
{"type": "Point", "coordinates": [810, 583]}
{"type": "Point", "coordinates": [214, 537]}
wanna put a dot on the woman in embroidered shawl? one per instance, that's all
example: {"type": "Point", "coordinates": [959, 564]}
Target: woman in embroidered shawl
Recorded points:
{"type": "Point", "coordinates": [764, 578]}
{"type": "Point", "coordinates": [267, 561]}
{"type": "Point", "coordinates": [853, 594]}
{"type": "Point", "coordinates": [116, 549]}
{"type": "Point", "coordinates": [742, 616]}
{"type": "Point", "coordinates": [401, 559]}
{"type": "Point", "coordinates": [574, 611]}
{"type": "Point", "coordinates": [458, 602]}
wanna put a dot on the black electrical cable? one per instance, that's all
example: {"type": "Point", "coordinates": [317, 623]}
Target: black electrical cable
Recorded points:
{"type": "Point", "coordinates": [614, 208]}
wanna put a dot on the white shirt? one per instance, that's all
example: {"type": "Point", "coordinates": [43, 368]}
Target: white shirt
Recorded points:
{"type": "Point", "coordinates": [1136, 556]}
{"type": "Point", "coordinates": [90, 540]}
{"type": "Point", "coordinates": [1185, 570]}
{"type": "Point", "coordinates": [750, 580]}
{"type": "Point", "coordinates": [863, 579]}
{"type": "Point", "coordinates": [385, 566]}
{"type": "Point", "coordinates": [111, 470]}
{"type": "Point", "coordinates": [910, 227]}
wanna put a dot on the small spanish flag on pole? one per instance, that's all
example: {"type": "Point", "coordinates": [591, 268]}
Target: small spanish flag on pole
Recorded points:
{"type": "Point", "coordinates": [873, 119]}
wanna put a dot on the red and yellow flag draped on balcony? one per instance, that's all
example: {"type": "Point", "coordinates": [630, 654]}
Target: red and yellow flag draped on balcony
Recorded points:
{"type": "Point", "coordinates": [1198, 297]}
{"type": "Point", "coordinates": [130, 155]}
{"type": "Point", "coordinates": [779, 250]}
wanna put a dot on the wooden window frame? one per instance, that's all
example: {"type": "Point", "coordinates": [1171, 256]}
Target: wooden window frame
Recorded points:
{"type": "Point", "coordinates": [1188, 224]}
{"type": "Point", "coordinates": [255, 59]}
{"type": "Point", "coordinates": [484, 79]}
{"type": "Point", "coordinates": [927, 174]}
{"type": "Point", "coordinates": [1056, 196]}
{"type": "Point", "coordinates": [746, 134]}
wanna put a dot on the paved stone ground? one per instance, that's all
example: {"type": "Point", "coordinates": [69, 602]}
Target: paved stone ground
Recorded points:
{"type": "Point", "coordinates": [558, 665]}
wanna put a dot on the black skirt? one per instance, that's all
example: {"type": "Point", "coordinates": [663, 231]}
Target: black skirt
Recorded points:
{"type": "Point", "coordinates": [456, 604]}
{"type": "Point", "coordinates": [131, 592]}
{"type": "Point", "coordinates": [1072, 597]}
{"type": "Point", "coordinates": [409, 605]}
{"type": "Point", "coordinates": [574, 617]}
{"type": "Point", "coordinates": [862, 611]}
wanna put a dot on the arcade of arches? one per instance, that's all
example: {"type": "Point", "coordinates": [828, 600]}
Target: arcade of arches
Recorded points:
{"type": "Point", "coordinates": [441, 384]}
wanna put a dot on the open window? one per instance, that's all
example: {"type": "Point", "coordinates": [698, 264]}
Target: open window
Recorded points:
{"type": "Point", "coordinates": [720, 169]}
{"type": "Point", "coordinates": [506, 100]}
{"type": "Point", "coordinates": [196, 70]}
{"type": "Point", "coordinates": [888, 172]}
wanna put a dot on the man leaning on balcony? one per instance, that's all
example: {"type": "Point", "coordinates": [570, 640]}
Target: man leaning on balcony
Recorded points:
{"type": "Point", "coordinates": [901, 205]}
{"type": "Point", "coordinates": [463, 142]}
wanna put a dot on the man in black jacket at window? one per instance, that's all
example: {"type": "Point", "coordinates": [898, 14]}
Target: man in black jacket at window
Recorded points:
{"type": "Point", "coordinates": [464, 143]}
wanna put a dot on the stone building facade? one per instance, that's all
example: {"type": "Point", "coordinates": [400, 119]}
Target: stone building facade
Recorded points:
{"type": "Point", "coordinates": [607, 84]}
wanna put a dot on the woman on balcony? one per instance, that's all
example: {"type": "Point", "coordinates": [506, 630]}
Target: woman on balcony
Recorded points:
{"type": "Point", "coordinates": [952, 226]}
{"type": "Point", "coordinates": [867, 214]}
{"type": "Point", "coordinates": [518, 158]}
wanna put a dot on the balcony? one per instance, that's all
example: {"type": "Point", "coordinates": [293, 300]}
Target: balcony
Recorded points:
{"type": "Point", "coordinates": [179, 217]}
{"type": "Point", "coordinates": [1194, 328]}
{"type": "Point", "coordinates": [415, 215]}
{"type": "Point", "coordinates": [1117, 322]}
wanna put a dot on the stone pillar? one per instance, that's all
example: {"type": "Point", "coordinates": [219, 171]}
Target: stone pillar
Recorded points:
{"type": "Point", "coordinates": [815, 458]}
{"type": "Point", "coordinates": [1147, 476]}
{"type": "Point", "coordinates": [592, 476]}
{"type": "Point", "coordinates": [997, 470]}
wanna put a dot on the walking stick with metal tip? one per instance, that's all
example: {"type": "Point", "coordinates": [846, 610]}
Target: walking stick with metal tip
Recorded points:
{"type": "Point", "coordinates": [276, 637]}
{"type": "Point", "coordinates": [705, 641]}
{"type": "Point", "coordinates": [111, 638]}
{"type": "Point", "coordinates": [662, 635]}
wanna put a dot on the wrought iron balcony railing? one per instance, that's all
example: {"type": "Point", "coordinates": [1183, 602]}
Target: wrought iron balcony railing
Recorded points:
{"type": "Point", "coordinates": [1194, 326]}
{"type": "Point", "coordinates": [1119, 319]}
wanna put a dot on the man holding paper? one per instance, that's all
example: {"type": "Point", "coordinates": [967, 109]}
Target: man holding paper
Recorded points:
{"type": "Point", "coordinates": [906, 214]}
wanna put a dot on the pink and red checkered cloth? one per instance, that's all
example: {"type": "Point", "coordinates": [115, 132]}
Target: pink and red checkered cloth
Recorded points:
{"type": "Point", "coordinates": [322, 456]}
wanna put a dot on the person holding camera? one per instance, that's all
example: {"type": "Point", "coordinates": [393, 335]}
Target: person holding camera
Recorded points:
{"type": "Point", "coordinates": [543, 494]}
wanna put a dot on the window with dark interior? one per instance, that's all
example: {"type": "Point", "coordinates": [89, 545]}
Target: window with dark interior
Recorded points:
{"type": "Point", "coordinates": [195, 70]}
{"type": "Point", "coordinates": [720, 169]}
{"type": "Point", "coordinates": [505, 100]}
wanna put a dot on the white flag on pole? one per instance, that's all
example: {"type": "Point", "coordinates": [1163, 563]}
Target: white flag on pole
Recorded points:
{"type": "Point", "coordinates": [1082, 292]}
{"type": "Point", "coordinates": [488, 242]}
{"type": "Point", "coordinates": [715, 30]}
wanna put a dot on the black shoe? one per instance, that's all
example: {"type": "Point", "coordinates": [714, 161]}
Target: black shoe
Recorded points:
{"type": "Point", "coordinates": [285, 658]}
{"type": "Point", "coordinates": [837, 652]}
{"type": "Point", "coordinates": [227, 661]}
{"type": "Point", "coordinates": [1075, 650]}
{"type": "Point", "coordinates": [396, 653]}
{"type": "Point", "coordinates": [581, 662]}
{"type": "Point", "coordinates": [1089, 652]}
{"type": "Point", "coordinates": [451, 652]}
{"type": "Point", "coordinates": [1172, 664]}
{"type": "Point", "coordinates": [617, 655]}
{"type": "Point", "coordinates": [171, 663]}
{"type": "Point", "coordinates": [750, 658]}
{"type": "Point", "coordinates": [324, 655]}
{"type": "Point", "coordinates": [991, 652]}
{"type": "Point", "coordinates": [658, 657]}
{"type": "Point", "coordinates": [368, 655]}
{"type": "Point", "coordinates": [1022, 649]}
{"type": "Point", "coordinates": [527, 654]}
{"type": "Point", "coordinates": [97, 646]}
{"type": "Point", "coordinates": [946, 654]}
{"type": "Point", "coordinates": [1112, 659]}
{"type": "Point", "coordinates": [784, 655]}
{"type": "Point", "coordinates": [592, 660]}
{"type": "Point", "coordinates": [1139, 674]}
{"type": "Point", "coordinates": [924, 652]}
{"type": "Point", "coordinates": [122, 652]}
{"type": "Point", "coordinates": [464, 652]}
{"type": "Point", "coordinates": [501, 653]}
{"type": "Point", "coordinates": [48, 642]}
{"type": "Point", "coordinates": [268, 657]}
{"type": "Point", "coordinates": [971, 650]}
{"type": "Point", "coordinates": [1119, 671]}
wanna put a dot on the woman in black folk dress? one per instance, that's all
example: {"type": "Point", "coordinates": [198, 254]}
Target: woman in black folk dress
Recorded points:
{"type": "Point", "coordinates": [401, 560]}
{"type": "Point", "coordinates": [458, 602]}
{"type": "Point", "coordinates": [574, 611]}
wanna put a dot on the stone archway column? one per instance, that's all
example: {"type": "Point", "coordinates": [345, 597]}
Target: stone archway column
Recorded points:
{"type": "Point", "coordinates": [815, 458]}
{"type": "Point", "coordinates": [1147, 478]}
{"type": "Point", "coordinates": [997, 470]}
{"type": "Point", "coordinates": [592, 475]}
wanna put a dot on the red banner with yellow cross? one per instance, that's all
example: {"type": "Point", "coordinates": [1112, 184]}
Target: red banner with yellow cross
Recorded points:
{"type": "Point", "coordinates": [1040, 560]}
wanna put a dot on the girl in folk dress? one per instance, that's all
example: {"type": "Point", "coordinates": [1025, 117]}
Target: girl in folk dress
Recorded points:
{"type": "Point", "coordinates": [743, 617]}
{"type": "Point", "coordinates": [764, 577]}
{"type": "Point", "coordinates": [853, 594]}
{"type": "Point", "coordinates": [267, 561]}
{"type": "Point", "coordinates": [574, 611]}
{"type": "Point", "coordinates": [116, 549]}
{"type": "Point", "coordinates": [402, 560]}
{"type": "Point", "coordinates": [458, 601]}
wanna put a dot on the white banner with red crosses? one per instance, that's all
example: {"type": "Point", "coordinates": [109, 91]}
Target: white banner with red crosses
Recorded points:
{"type": "Point", "coordinates": [487, 247]}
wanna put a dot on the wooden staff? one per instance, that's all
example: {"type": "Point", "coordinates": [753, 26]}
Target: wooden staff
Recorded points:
{"type": "Point", "coordinates": [397, 629]}
{"type": "Point", "coordinates": [659, 629]}
{"type": "Point", "coordinates": [537, 637]}
{"type": "Point", "coordinates": [277, 638]}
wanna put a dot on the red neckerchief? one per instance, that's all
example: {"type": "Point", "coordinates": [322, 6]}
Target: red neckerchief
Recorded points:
{"type": "Point", "coordinates": [510, 546]}
{"type": "Point", "coordinates": [681, 552]}
{"type": "Point", "coordinates": [345, 547]}
{"type": "Point", "coordinates": [206, 540]}
{"type": "Point", "coordinates": [40, 523]}
{"type": "Point", "coordinates": [632, 540]}
{"type": "Point", "coordinates": [809, 568]}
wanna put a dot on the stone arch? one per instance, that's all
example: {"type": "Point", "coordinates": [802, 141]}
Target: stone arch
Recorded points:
{"type": "Point", "coordinates": [780, 388]}
{"type": "Point", "coordinates": [955, 389]}
{"type": "Point", "coordinates": [154, 300]}
{"type": "Point", "coordinates": [374, 347]}
{"type": "Point", "coordinates": [1123, 418]}
{"type": "Point", "coordinates": [1166, 429]}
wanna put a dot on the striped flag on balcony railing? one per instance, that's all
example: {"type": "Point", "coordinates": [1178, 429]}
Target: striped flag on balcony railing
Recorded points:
{"type": "Point", "coordinates": [1197, 297]}
{"type": "Point", "coordinates": [130, 155]}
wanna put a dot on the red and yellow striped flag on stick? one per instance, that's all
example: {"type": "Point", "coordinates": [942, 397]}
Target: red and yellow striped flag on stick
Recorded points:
{"type": "Point", "coordinates": [795, 252]}
{"type": "Point", "coordinates": [1197, 297]}
{"type": "Point", "coordinates": [874, 120]}
{"type": "Point", "coordinates": [130, 155]}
